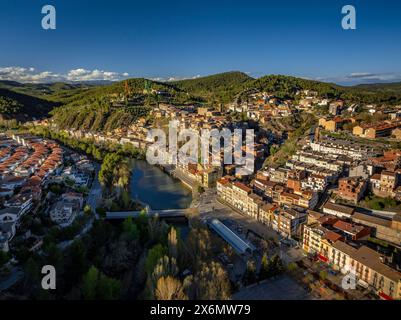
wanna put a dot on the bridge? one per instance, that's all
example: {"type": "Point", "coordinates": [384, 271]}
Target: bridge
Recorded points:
{"type": "Point", "coordinates": [168, 213]}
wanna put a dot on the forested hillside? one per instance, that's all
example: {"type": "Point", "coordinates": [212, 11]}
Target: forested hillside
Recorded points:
{"type": "Point", "coordinates": [220, 88]}
{"type": "Point", "coordinates": [21, 106]}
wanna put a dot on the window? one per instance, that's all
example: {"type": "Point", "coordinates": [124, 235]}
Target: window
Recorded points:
{"type": "Point", "coordinates": [381, 282]}
{"type": "Point", "coordinates": [391, 290]}
{"type": "Point", "coordinates": [375, 280]}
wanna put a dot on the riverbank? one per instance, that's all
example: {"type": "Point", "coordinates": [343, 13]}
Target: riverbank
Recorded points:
{"type": "Point", "coordinates": [149, 185]}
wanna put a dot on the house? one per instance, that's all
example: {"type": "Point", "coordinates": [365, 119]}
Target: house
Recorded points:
{"type": "Point", "coordinates": [7, 230]}
{"type": "Point", "coordinates": [396, 133]}
{"type": "Point", "coordinates": [65, 211]}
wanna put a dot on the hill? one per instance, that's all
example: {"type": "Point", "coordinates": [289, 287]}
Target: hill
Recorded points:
{"type": "Point", "coordinates": [117, 105]}
{"type": "Point", "coordinates": [14, 105]}
{"type": "Point", "coordinates": [287, 86]}
{"type": "Point", "coordinates": [220, 88]}
{"type": "Point", "coordinates": [392, 87]}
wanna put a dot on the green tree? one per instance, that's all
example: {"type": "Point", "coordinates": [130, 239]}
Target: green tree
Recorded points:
{"type": "Point", "coordinates": [96, 285]}
{"type": "Point", "coordinates": [264, 267]}
{"type": "Point", "coordinates": [89, 283]}
{"type": "Point", "coordinates": [108, 288]}
{"type": "Point", "coordinates": [153, 257]}
{"type": "Point", "coordinates": [130, 229]}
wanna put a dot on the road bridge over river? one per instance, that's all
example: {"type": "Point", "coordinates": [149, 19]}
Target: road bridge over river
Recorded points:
{"type": "Point", "coordinates": [167, 213]}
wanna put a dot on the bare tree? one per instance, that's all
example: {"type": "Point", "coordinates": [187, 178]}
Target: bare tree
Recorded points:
{"type": "Point", "coordinates": [212, 282]}
{"type": "Point", "coordinates": [169, 288]}
{"type": "Point", "coordinates": [172, 243]}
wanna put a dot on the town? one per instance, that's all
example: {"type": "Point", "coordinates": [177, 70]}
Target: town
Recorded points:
{"type": "Point", "coordinates": [326, 198]}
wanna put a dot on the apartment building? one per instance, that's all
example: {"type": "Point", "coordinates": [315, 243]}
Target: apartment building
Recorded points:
{"type": "Point", "coordinates": [365, 264]}
{"type": "Point", "coordinates": [369, 269]}
{"type": "Point", "coordinates": [268, 212]}
{"type": "Point", "coordinates": [290, 221]}
{"type": "Point", "coordinates": [352, 188]}
{"type": "Point", "coordinates": [385, 184]}
{"type": "Point", "coordinates": [383, 129]}
{"type": "Point", "coordinates": [306, 199]}
{"type": "Point", "coordinates": [353, 150]}
{"type": "Point", "coordinates": [237, 194]}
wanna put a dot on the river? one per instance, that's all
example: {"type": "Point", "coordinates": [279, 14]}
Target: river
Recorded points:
{"type": "Point", "coordinates": [151, 185]}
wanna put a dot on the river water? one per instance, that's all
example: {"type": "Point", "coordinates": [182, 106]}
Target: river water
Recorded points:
{"type": "Point", "coordinates": [151, 185]}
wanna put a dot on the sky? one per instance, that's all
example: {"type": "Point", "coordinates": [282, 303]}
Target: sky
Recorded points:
{"type": "Point", "coordinates": [112, 40]}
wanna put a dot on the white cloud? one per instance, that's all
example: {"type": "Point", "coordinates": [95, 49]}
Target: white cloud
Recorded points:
{"type": "Point", "coordinates": [22, 74]}
{"type": "Point", "coordinates": [363, 77]}
{"type": "Point", "coordinates": [174, 78]}
{"type": "Point", "coordinates": [27, 75]}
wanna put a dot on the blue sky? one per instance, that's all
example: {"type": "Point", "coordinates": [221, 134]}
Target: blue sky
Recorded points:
{"type": "Point", "coordinates": [163, 39]}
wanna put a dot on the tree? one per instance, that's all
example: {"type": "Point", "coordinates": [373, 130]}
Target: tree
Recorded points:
{"type": "Point", "coordinates": [32, 273]}
{"type": "Point", "coordinates": [96, 285]}
{"type": "Point", "coordinates": [3, 258]}
{"type": "Point", "coordinates": [275, 265]}
{"type": "Point", "coordinates": [126, 199]}
{"type": "Point", "coordinates": [87, 210]}
{"type": "Point", "coordinates": [250, 273]}
{"type": "Point", "coordinates": [172, 243]}
{"type": "Point", "coordinates": [89, 283]}
{"type": "Point", "coordinates": [108, 288]}
{"type": "Point", "coordinates": [156, 230]}
{"type": "Point", "coordinates": [54, 256]}
{"type": "Point", "coordinates": [169, 288]}
{"type": "Point", "coordinates": [212, 282]}
{"type": "Point", "coordinates": [77, 264]}
{"type": "Point", "coordinates": [264, 267]}
{"type": "Point", "coordinates": [101, 211]}
{"type": "Point", "coordinates": [130, 229]}
{"type": "Point", "coordinates": [153, 257]}
{"type": "Point", "coordinates": [199, 244]}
